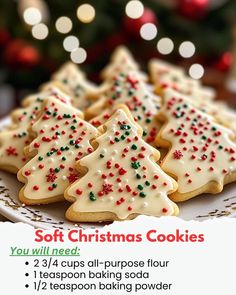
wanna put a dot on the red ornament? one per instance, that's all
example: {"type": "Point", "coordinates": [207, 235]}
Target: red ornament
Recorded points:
{"type": "Point", "coordinates": [224, 62]}
{"type": "Point", "coordinates": [193, 9]}
{"type": "Point", "coordinates": [28, 56]}
{"type": "Point", "coordinates": [133, 26]}
{"type": "Point", "coordinates": [5, 37]}
{"type": "Point", "coordinates": [18, 53]}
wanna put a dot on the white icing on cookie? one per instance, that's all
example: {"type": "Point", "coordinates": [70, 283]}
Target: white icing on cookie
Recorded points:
{"type": "Point", "coordinates": [12, 142]}
{"type": "Point", "coordinates": [166, 75]}
{"type": "Point", "coordinates": [128, 89]}
{"type": "Point", "coordinates": [55, 166]}
{"type": "Point", "coordinates": [76, 84]}
{"type": "Point", "coordinates": [125, 182]}
{"type": "Point", "coordinates": [201, 150]}
{"type": "Point", "coordinates": [122, 61]}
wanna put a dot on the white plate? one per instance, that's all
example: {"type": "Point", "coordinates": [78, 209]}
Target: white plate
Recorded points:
{"type": "Point", "coordinates": [52, 216]}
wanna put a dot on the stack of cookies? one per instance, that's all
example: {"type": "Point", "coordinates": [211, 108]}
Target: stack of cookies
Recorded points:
{"type": "Point", "coordinates": [136, 144]}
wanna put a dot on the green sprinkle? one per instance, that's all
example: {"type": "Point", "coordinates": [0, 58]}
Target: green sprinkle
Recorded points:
{"type": "Point", "coordinates": [72, 142]}
{"type": "Point", "coordinates": [101, 156]}
{"type": "Point", "coordinates": [67, 148]}
{"type": "Point", "coordinates": [142, 195]}
{"type": "Point", "coordinates": [138, 176]}
{"type": "Point", "coordinates": [124, 127]}
{"type": "Point", "coordinates": [72, 127]}
{"type": "Point", "coordinates": [213, 128]}
{"type": "Point", "coordinates": [57, 169]}
{"type": "Point", "coordinates": [54, 185]}
{"type": "Point", "coordinates": [148, 120]}
{"type": "Point", "coordinates": [144, 133]}
{"type": "Point", "coordinates": [204, 137]}
{"type": "Point", "coordinates": [40, 158]}
{"type": "Point", "coordinates": [67, 116]}
{"type": "Point", "coordinates": [140, 187]}
{"type": "Point", "coordinates": [220, 147]}
{"type": "Point", "coordinates": [147, 183]}
{"type": "Point", "coordinates": [116, 139]}
{"type": "Point", "coordinates": [134, 147]}
{"type": "Point", "coordinates": [135, 165]}
{"type": "Point", "coordinates": [127, 133]}
{"type": "Point", "coordinates": [77, 146]}
{"type": "Point", "coordinates": [122, 137]}
{"type": "Point", "coordinates": [63, 158]}
{"type": "Point", "coordinates": [130, 92]}
{"type": "Point", "coordinates": [92, 196]}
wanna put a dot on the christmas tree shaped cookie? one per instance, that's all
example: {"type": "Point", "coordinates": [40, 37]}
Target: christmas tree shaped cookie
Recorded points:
{"type": "Point", "coordinates": [61, 139]}
{"type": "Point", "coordinates": [74, 82]}
{"type": "Point", "coordinates": [125, 181]}
{"type": "Point", "coordinates": [163, 75]}
{"type": "Point", "coordinates": [15, 139]}
{"type": "Point", "coordinates": [130, 90]}
{"type": "Point", "coordinates": [121, 61]}
{"type": "Point", "coordinates": [201, 155]}
{"type": "Point", "coordinates": [218, 109]}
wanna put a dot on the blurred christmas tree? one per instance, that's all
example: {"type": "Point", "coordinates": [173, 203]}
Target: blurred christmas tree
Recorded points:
{"type": "Point", "coordinates": [206, 23]}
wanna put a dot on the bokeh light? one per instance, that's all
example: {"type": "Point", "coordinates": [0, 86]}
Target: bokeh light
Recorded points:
{"type": "Point", "coordinates": [196, 71]}
{"type": "Point", "coordinates": [32, 16]}
{"type": "Point", "coordinates": [134, 9]}
{"type": "Point", "coordinates": [165, 46]}
{"type": "Point", "coordinates": [86, 13]}
{"type": "Point", "coordinates": [148, 31]}
{"type": "Point", "coordinates": [70, 43]}
{"type": "Point", "coordinates": [63, 24]}
{"type": "Point", "coordinates": [187, 49]}
{"type": "Point", "coordinates": [40, 31]}
{"type": "Point", "coordinates": [78, 55]}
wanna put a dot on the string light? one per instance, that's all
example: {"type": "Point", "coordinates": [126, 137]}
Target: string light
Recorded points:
{"type": "Point", "coordinates": [165, 46]}
{"type": "Point", "coordinates": [70, 43]}
{"type": "Point", "coordinates": [32, 16]}
{"type": "Point", "coordinates": [78, 55]}
{"type": "Point", "coordinates": [63, 24]}
{"type": "Point", "coordinates": [86, 13]}
{"type": "Point", "coordinates": [148, 31]}
{"type": "Point", "coordinates": [134, 9]}
{"type": "Point", "coordinates": [40, 31]}
{"type": "Point", "coordinates": [196, 71]}
{"type": "Point", "coordinates": [187, 49]}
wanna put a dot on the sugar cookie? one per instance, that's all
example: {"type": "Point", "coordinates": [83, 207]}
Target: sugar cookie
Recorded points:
{"type": "Point", "coordinates": [125, 181]}
{"type": "Point", "coordinates": [121, 61]}
{"type": "Point", "coordinates": [130, 90]}
{"type": "Point", "coordinates": [163, 74]}
{"type": "Point", "coordinates": [14, 140]}
{"type": "Point", "coordinates": [201, 155]}
{"type": "Point", "coordinates": [61, 139]}
{"type": "Point", "coordinates": [82, 91]}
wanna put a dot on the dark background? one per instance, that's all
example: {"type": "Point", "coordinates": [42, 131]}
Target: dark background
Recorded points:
{"type": "Point", "coordinates": [25, 62]}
